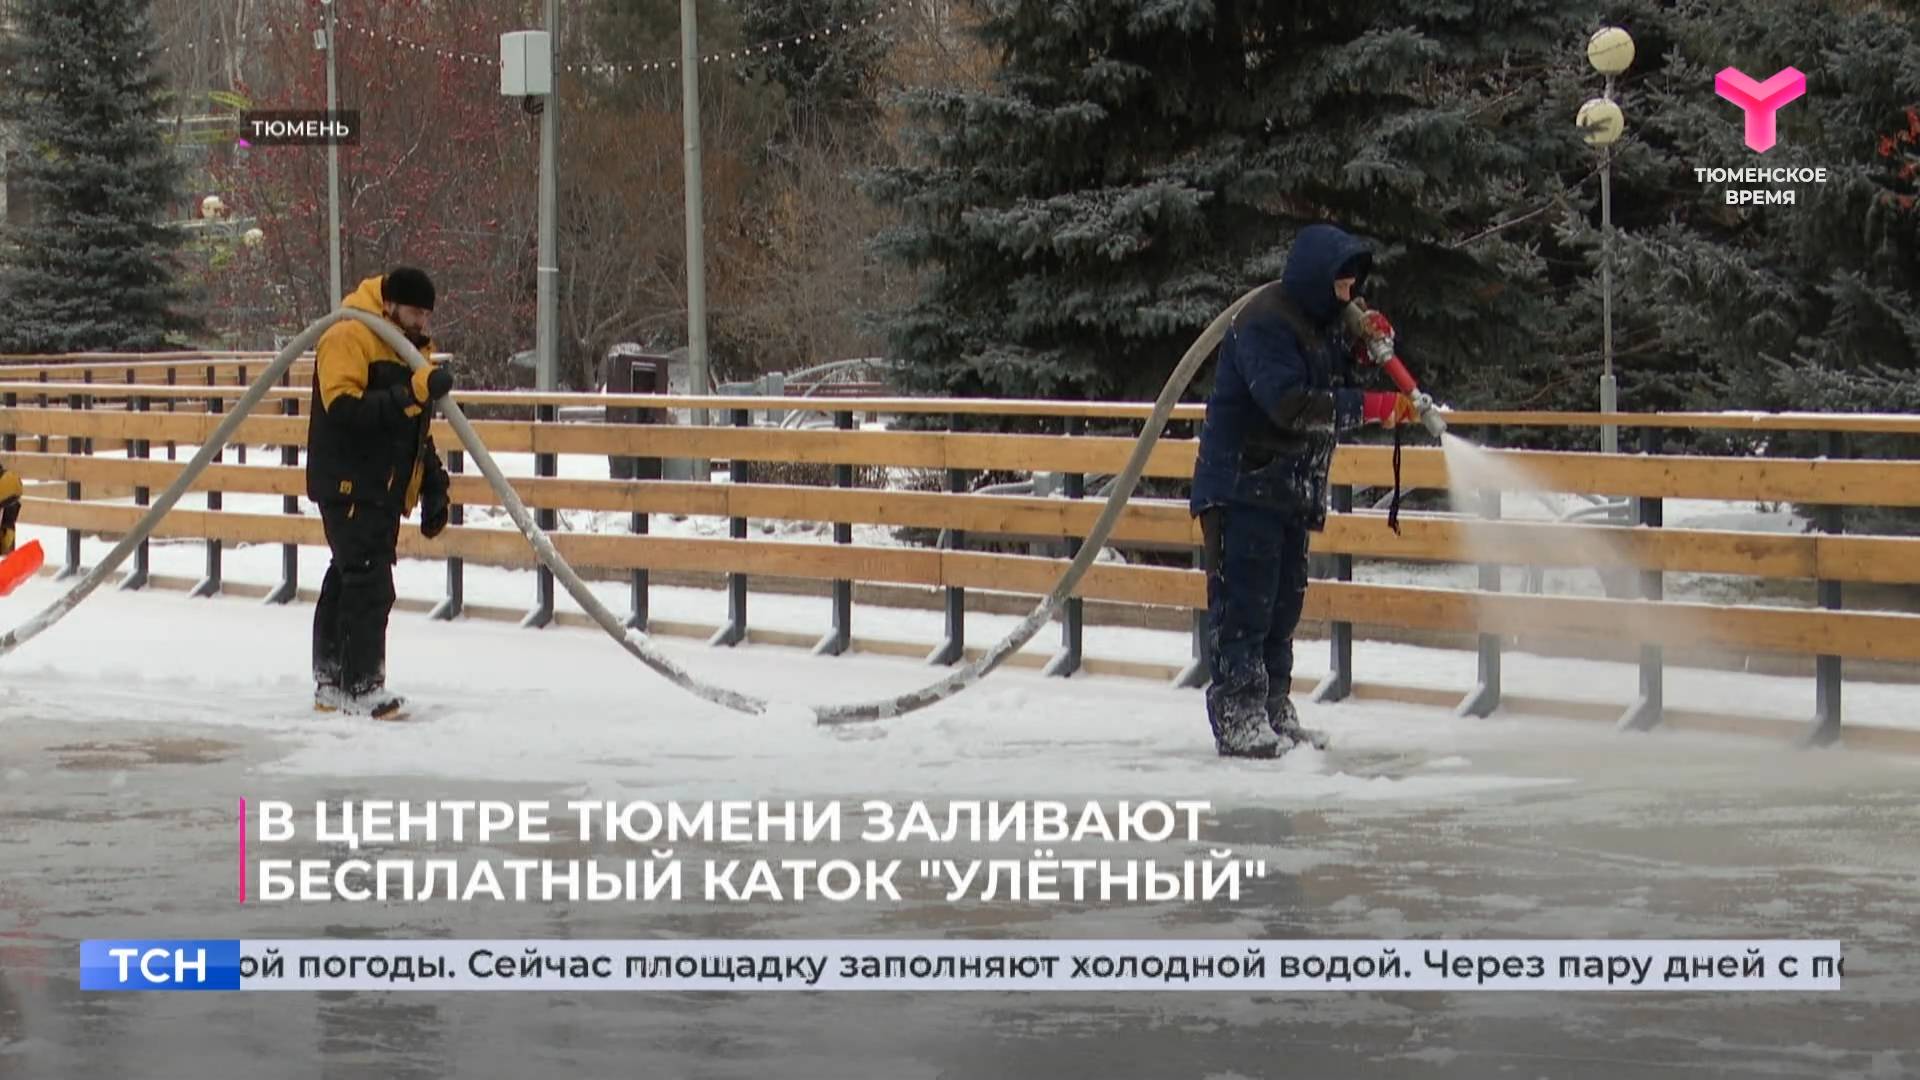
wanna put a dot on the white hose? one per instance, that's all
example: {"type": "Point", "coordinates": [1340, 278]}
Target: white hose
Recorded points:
{"type": "Point", "coordinates": [634, 641]}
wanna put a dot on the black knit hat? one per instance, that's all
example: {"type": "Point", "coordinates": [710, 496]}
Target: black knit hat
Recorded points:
{"type": "Point", "coordinates": [406, 285]}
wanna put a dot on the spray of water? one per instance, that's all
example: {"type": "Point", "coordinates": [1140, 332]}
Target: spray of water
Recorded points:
{"type": "Point", "coordinates": [1473, 474]}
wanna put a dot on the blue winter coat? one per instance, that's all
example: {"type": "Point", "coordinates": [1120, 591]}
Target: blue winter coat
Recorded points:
{"type": "Point", "coordinates": [1279, 403]}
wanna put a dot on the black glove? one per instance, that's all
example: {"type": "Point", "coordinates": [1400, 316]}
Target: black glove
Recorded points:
{"type": "Point", "coordinates": [433, 514]}
{"type": "Point", "coordinates": [428, 385]}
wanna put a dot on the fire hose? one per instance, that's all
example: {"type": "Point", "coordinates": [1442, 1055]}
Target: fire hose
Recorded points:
{"type": "Point", "coordinates": [635, 642]}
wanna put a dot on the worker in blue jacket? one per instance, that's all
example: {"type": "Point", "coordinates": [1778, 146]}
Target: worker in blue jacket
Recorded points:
{"type": "Point", "coordinates": [1285, 388]}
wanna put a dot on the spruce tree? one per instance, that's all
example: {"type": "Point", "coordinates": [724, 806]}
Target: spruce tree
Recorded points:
{"type": "Point", "coordinates": [1135, 166]}
{"type": "Point", "coordinates": [1771, 306]}
{"type": "Point", "coordinates": [94, 269]}
{"type": "Point", "coordinates": [827, 59]}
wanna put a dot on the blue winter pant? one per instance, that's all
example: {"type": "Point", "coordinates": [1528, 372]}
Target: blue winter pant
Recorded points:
{"type": "Point", "coordinates": [1256, 563]}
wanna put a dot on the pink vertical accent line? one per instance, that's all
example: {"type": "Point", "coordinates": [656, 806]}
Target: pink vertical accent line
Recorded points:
{"type": "Point", "coordinates": [243, 851]}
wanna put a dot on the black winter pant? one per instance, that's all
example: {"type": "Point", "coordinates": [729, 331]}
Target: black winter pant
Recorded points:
{"type": "Point", "coordinates": [1256, 587]}
{"type": "Point", "coordinates": [356, 597]}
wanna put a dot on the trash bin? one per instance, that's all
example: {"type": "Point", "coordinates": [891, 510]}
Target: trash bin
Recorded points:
{"type": "Point", "coordinates": [628, 369]}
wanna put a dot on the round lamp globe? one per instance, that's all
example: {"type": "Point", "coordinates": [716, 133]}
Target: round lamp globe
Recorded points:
{"type": "Point", "coordinates": [1610, 50]}
{"type": "Point", "coordinates": [1602, 121]}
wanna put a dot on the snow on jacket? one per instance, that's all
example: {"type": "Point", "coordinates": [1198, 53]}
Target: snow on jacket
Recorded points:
{"type": "Point", "coordinates": [367, 436]}
{"type": "Point", "coordinates": [1279, 398]}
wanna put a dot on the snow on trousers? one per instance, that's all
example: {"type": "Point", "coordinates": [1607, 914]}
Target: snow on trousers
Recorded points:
{"type": "Point", "coordinates": [356, 596]}
{"type": "Point", "coordinates": [1256, 564]}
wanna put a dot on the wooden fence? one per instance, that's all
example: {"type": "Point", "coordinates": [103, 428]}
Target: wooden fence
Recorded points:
{"type": "Point", "coordinates": [51, 426]}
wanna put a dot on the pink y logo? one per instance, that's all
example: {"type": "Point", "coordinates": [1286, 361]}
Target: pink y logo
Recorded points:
{"type": "Point", "coordinates": [1760, 100]}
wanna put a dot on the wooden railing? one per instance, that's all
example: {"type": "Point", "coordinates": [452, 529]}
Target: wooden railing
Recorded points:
{"type": "Point", "coordinates": [111, 413]}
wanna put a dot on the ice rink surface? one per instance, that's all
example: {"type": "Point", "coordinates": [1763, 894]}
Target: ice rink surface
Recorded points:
{"type": "Point", "coordinates": [128, 732]}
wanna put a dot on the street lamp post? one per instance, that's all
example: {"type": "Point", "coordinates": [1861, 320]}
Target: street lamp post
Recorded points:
{"type": "Point", "coordinates": [1610, 50]}
{"type": "Point", "coordinates": [697, 374]}
{"type": "Point", "coordinates": [335, 295]}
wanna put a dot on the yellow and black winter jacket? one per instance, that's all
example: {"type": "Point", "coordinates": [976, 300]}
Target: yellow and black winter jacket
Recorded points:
{"type": "Point", "coordinates": [367, 433]}
{"type": "Point", "coordinates": [10, 492]}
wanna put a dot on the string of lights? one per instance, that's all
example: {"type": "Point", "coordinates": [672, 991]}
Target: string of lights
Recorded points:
{"type": "Point", "coordinates": [743, 52]}
{"type": "Point", "coordinates": [760, 48]}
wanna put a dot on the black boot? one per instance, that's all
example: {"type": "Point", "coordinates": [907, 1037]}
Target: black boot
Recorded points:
{"type": "Point", "coordinates": [1285, 722]}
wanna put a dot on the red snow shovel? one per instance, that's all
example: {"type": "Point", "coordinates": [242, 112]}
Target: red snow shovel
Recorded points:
{"type": "Point", "coordinates": [21, 565]}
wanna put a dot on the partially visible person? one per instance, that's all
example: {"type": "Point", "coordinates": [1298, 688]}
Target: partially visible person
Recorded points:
{"type": "Point", "coordinates": [11, 491]}
{"type": "Point", "coordinates": [370, 461]}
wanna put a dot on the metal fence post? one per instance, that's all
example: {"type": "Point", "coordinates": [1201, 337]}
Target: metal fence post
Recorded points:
{"type": "Point", "coordinates": [76, 446]}
{"type": "Point", "coordinates": [1073, 612]}
{"type": "Point", "coordinates": [1649, 709]}
{"type": "Point", "coordinates": [1199, 669]}
{"type": "Point", "coordinates": [735, 631]}
{"type": "Point", "coordinates": [954, 648]}
{"type": "Point", "coordinates": [139, 450]}
{"type": "Point", "coordinates": [210, 584]}
{"type": "Point", "coordinates": [9, 442]}
{"type": "Point", "coordinates": [289, 587]}
{"type": "Point", "coordinates": [1338, 685]}
{"type": "Point", "coordinates": [455, 601]}
{"type": "Point", "coordinates": [240, 445]}
{"type": "Point", "coordinates": [840, 638]}
{"type": "Point", "coordinates": [1829, 519]}
{"type": "Point", "coordinates": [1485, 697]}
{"type": "Point", "coordinates": [44, 442]}
{"type": "Point", "coordinates": [173, 379]}
{"type": "Point", "coordinates": [544, 466]}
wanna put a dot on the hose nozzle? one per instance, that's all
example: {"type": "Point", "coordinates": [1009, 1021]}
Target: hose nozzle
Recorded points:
{"type": "Point", "coordinates": [1424, 405]}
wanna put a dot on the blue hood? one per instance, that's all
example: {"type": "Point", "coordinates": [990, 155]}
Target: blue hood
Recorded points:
{"type": "Point", "coordinates": [1318, 254]}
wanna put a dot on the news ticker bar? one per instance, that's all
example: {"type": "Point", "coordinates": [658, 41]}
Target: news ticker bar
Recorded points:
{"type": "Point", "coordinates": [961, 965]}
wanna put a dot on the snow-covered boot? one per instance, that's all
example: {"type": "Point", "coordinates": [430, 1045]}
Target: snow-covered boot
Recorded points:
{"type": "Point", "coordinates": [378, 703]}
{"type": "Point", "coordinates": [1285, 721]}
{"type": "Point", "coordinates": [1240, 728]}
{"type": "Point", "coordinates": [327, 698]}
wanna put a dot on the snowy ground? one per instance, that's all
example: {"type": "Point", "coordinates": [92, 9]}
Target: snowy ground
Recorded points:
{"type": "Point", "coordinates": [127, 732]}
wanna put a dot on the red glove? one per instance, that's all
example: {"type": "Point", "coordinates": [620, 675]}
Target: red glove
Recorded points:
{"type": "Point", "coordinates": [1388, 409]}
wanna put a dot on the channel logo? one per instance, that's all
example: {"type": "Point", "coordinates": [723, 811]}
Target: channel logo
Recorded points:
{"type": "Point", "coordinates": [1761, 101]}
{"type": "Point", "coordinates": [160, 965]}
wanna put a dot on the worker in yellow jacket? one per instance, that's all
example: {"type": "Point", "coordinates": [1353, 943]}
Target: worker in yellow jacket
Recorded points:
{"type": "Point", "coordinates": [10, 492]}
{"type": "Point", "coordinates": [370, 461]}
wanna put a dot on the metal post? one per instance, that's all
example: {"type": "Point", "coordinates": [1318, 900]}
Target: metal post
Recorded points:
{"type": "Point", "coordinates": [289, 587]}
{"type": "Point", "coordinates": [173, 379]}
{"type": "Point", "coordinates": [638, 586]}
{"type": "Point", "coordinates": [1609, 390]}
{"type": "Point", "coordinates": [456, 598]}
{"type": "Point", "coordinates": [1649, 708]}
{"type": "Point", "coordinates": [547, 331]}
{"type": "Point", "coordinates": [544, 466]}
{"type": "Point", "coordinates": [699, 379]}
{"type": "Point", "coordinates": [241, 378]}
{"type": "Point", "coordinates": [1827, 674]}
{"type": "Point", "coordinates": [1073, 612]}
{"type": "Point", "coordinates": [840, 638]}
{"type": "Point", "coordinates": [1198, 671]}
{"type": "Point", "coordinates": [210, 584]}
{"type": "Point", "coordinates": [735, 631]}
{"type": "Point", "coordinates": [76, 446]}
{"type": "Point", "coordinates": [1486, 692]}
{"type": "Point", "coordinates": [336, 295]}
{"type": "Point", "coordinates": [954, 648]}
{"type": "Point", "coordinates": [1338, 685]}
{"type": "Point", "coordinates": [139, 450]}
{"type": "Point", "coordinates": [9, 442]}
